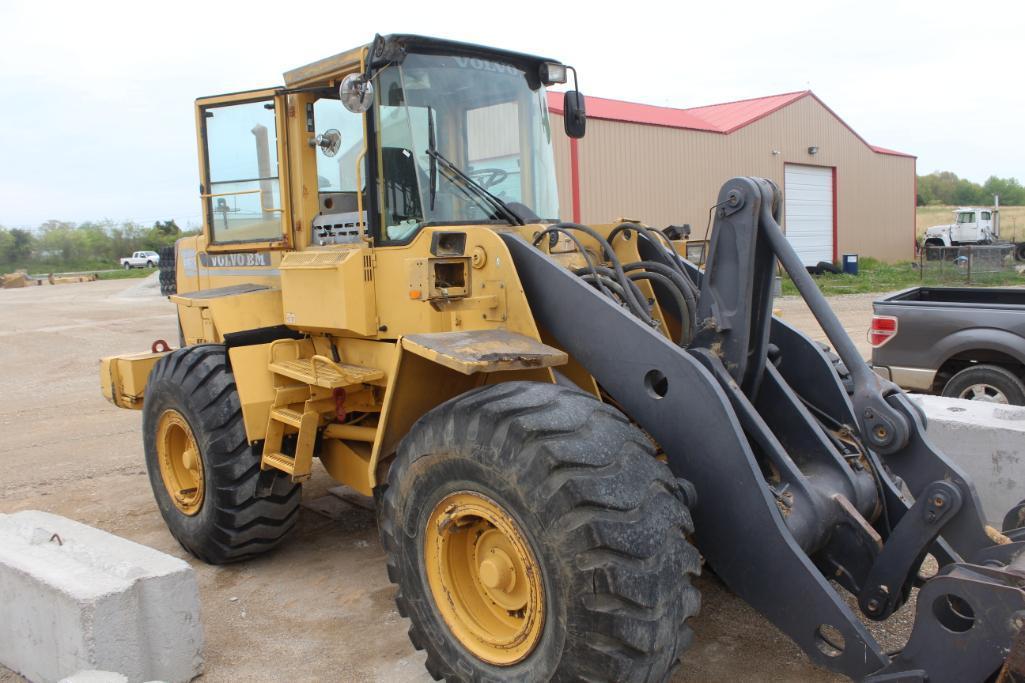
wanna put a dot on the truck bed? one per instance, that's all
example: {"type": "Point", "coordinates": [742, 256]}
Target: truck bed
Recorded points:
{"type": "Point", "coordinates": [973, 297]}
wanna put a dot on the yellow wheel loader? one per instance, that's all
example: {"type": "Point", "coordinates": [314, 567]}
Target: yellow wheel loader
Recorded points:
{"type": "Point", "coordinates": [554, 419]}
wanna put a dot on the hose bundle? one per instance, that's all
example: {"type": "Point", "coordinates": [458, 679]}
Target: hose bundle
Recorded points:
{"type": "Point", "coordinates": [618, 281]}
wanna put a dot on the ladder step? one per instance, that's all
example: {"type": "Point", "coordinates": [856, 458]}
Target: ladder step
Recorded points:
{"type": "Point", "coordinates": [293, 393]}
{"type": "Point", "coordinates": [325, 373]}
{"type": "Point", "coordinates": [288, 416]}
{"type": "Point", "coordinates": [279, 461]}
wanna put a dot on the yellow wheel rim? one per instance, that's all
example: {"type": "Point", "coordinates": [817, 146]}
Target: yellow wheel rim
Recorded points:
{"type": "Point", "coordinates": [484, 578]}
{"type": "Point", "coordinates": [181, 465]}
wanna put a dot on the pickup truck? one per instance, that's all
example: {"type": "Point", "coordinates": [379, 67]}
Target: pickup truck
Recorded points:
{"type": "Point", "coordinates": [953, 341]}
{"type": "Point", "coordinates": [141, 259]}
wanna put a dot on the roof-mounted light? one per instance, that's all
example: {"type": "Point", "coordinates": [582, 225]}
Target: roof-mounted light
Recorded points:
{"type": "Point", "coordinates": [552, 72]}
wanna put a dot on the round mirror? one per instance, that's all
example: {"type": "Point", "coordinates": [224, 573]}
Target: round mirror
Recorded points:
{"type": "Point", "coordinates": [356, 94]}
{"type": "Point", "coordinates": [330, 142]}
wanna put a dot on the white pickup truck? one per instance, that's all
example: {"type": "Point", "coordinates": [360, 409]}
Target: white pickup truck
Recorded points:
{"type": "Point", "coordinates": [141, 259]}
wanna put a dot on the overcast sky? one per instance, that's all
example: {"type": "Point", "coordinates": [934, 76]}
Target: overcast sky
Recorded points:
{"type": "Point", "coordinates": [97, 97]}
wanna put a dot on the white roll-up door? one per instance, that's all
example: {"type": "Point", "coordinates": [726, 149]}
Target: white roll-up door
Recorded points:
{"type": "Point", "coordinates": [808, 193]}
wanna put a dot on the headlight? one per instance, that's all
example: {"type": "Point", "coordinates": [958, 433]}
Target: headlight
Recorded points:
{"type": "Point", "coordinates": [552, 72]}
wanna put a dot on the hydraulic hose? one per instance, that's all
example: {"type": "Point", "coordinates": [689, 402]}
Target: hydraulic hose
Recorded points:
{"type": "Point", "coordinates": [580, 248]}
{"type": "Point", "coordinates": [686, 329]}
{"type": "Point", "coordinates": [633, 302]}
{"type": "Point", "coordinates": [609, 275]}
{"type": "Point", "coordinates": [678, 285]}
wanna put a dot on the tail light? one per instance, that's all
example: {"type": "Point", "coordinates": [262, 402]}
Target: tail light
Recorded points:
{"type": "Point", "coordinates": [883, 329]}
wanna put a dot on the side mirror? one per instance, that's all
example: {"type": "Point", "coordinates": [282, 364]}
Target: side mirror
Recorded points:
{"type": "Point", "coordinates": [356, 93]}
{"type": "Point", "coordinates": [574, 114]}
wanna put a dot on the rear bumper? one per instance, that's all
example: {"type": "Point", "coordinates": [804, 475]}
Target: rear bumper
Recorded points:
{"type": "Point", "coordinates": [915, 379]}
{"type": "Point", "coordinates": [123, 378]}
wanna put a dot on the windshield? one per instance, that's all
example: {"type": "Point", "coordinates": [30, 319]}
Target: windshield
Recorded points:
{"type": "Point", "coordinates": [441, 115]}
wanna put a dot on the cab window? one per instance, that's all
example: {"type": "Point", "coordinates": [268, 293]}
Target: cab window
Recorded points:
{"type": "Point", "coordinates": [985, 215]}
{"type": "Point", "coordinates": [340, 185]}
{"type": "Point", "coordinates": [243, 188]}
{"type": "Point", "coordinates": [966, 217]}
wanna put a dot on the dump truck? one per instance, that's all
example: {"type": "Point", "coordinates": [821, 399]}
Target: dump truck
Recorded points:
{"type": "Point", "coordinates": [560, 424]}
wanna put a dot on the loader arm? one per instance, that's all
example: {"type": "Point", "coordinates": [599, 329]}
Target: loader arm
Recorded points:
{"type": "Point", "coordinates": [796, 483]}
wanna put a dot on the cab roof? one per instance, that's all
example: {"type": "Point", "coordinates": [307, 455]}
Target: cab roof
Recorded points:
{"type": "Point", "coordinates": [393, 49]}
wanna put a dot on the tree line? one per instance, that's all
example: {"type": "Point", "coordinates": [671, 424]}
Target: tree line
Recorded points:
{"type": "Point", "coordinates": [80, 246]}
{"type": "Point", "coordinates": [946, 188]}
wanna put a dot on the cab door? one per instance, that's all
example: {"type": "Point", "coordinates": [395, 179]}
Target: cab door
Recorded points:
{"type": "Point", "coordinates": [244, 186]}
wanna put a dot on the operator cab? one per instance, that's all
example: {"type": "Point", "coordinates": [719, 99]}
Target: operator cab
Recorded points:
{"type": "Point", "coordinates": [376, 143]}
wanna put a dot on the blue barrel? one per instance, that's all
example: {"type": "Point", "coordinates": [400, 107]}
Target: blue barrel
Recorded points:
{"type": "Point", "coordinates": [850, 264]}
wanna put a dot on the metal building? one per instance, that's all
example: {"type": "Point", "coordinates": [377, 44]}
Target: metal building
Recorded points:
{"type": "Point", "coordinates": [665, 166]}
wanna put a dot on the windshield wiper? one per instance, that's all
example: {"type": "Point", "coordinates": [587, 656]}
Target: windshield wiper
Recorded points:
{"type": "Point", "coordinates": [477, 189]}
{"type": "Point", "coordinates": [432, 150]}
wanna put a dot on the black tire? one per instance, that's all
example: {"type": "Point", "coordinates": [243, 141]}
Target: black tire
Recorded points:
{"type": "Point", "coordinates": [606, 521]}
{"type": "Point", "coordinates": [128, 266]}
{"type": "Point", "coordinates": [828, 267]}
{"type": "Point", "coordinates": [168, 273]}
{"type": "Point", "coordinates": [1015, 518]}
{"type": "Point", "coordinates": [1019, 251]}
{"type": "Point", "coordinates": [232, 523]}
{"type": "Point", "coordinates": [993, 376]}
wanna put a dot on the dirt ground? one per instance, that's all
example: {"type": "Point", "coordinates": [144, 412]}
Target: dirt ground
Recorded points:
{"type": "Point", "coordinates": [321, 607]}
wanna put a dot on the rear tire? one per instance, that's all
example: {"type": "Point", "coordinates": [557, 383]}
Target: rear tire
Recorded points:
{"type": "Point", "coordinates": [987, 382]}
{"type": "Point", "coordinates": [193, 387]}
{"type": "Point", "coordinates": [168, 271]}
{"type": "Point", "coordinates": [1019, 251]}
{"type": "Point", "coordinates": [604, 521]}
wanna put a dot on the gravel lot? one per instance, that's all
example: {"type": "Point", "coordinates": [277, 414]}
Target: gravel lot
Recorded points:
{"type": "Point", "coordinates": [320, 608]}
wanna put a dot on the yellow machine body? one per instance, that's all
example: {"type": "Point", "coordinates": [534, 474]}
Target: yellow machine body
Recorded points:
{"type": "Point", "coordinates": [398, 328]}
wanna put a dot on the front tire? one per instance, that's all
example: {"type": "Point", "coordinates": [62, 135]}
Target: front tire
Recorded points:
{"type": "Point", "coordinates": [534, 536]}
{"type": "Point", "coordinates": [201, 466]}
{"type": "Point", "coordinates": [990, 383]}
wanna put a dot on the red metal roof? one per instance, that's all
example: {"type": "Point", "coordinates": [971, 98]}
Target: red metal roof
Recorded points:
{"type": "Point", "coordinates": [722, 118]}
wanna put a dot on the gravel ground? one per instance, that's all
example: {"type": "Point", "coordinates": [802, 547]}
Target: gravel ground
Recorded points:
{"type": "Point", "coordinates": [319, 609]}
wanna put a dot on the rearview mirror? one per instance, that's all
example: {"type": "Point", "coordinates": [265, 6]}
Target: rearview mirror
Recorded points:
{"type": "Point", "coordinates": [573, 114]}
{"type": "Point", "coordinates": [356, 93]}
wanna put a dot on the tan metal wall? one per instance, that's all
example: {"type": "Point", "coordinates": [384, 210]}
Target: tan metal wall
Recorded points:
{"type": "Point", "coordinates": [670, 176]}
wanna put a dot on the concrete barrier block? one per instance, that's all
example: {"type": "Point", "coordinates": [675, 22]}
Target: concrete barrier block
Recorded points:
{"type": "Point", "coordinates": [987, 440]}
{"type": "Point", "coordinates": [78, 599]}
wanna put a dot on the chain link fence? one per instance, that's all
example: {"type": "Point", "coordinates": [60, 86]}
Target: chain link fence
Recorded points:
{"type": "Point", "coordinates": [978, 264]}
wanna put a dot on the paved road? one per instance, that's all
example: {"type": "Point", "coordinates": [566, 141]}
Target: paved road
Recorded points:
{"type": "Point", "coordinates": [319, 609]}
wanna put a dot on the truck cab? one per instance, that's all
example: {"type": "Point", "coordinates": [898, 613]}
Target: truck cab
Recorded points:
{"type": "Point", "coordinates": [971, 225]}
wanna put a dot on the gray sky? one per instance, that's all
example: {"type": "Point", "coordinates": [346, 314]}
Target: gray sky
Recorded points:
{"type": "Point", "coordinates": [97, 116]}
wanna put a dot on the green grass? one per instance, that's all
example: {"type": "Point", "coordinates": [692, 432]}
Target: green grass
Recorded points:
{"type": "Point", "coordinates": [876, 276]}
{"type": "Point", "coordinates": [104, 271]}
{"type": "Point", "coordinates": [123, 274]}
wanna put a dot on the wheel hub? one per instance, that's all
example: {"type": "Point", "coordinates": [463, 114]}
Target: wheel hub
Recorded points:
{"type": "Point", "coordinates": [484, 578]}
{"type": "Point", "coordinates": [181, 465]}
{"type": "Point", "coordinates": [984, 392]}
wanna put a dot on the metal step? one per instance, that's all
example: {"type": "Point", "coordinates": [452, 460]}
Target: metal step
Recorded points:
{"type": "Point", "coordinates": [287, 416]}
{"type": "Point", "coordinates": [320, 371]}
{"type": "Point", "coordinates": [279, 461]}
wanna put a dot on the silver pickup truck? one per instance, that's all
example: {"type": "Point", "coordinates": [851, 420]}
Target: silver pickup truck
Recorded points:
{"type": "Point", "coordinates": [958, 342]}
